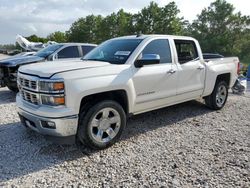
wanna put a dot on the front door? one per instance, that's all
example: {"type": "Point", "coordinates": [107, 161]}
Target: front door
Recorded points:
{"type": "Point", "coordinates": [155, 84]}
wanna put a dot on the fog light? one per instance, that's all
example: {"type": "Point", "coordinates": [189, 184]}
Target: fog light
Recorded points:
{"type": "Point", "coordinates": [48, 124]}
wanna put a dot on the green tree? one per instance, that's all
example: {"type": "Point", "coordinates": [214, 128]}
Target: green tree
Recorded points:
{"type": "Point", "coordinates": [34, 38]}
{"type": "Point", "coordinates": [151, 19]}
{"type": "Point", "coordinates": [115, 25]}
{"type": "Point", "coordinates": [57, 36]}
{"type": "Point", "coordinates": [221, 30]}
{"type": "Point", "coordinates": [85, 30]}
{"type": "Point", "coordinates": [162, 20]}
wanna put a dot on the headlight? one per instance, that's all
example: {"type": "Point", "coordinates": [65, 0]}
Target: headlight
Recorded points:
{"type": "Point", "coordinates": [52, 92]}
{"type": "Point", "coordinates": [51, 86]}
{"type": "Point", "coordinates": [53, 100]}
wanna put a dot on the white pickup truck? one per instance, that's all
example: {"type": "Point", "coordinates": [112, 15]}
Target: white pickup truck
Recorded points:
{"type": "Point", "coordinates": [89, 99]}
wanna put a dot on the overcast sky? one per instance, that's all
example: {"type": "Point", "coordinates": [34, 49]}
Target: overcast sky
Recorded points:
{"type": "Point", "coordinates": [41, 17]}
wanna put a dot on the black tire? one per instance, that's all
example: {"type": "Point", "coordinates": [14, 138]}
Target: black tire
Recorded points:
{"type": "Point", "coordinates": [12, 88]}
{"type": "Point", "coordinates": [85, 128]}
{"type": "Point", "coordinates": [212, 102]}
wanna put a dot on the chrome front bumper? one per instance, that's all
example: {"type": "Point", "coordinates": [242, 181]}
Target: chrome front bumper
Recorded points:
{"type": "Point", "coordinates": [64, 126]}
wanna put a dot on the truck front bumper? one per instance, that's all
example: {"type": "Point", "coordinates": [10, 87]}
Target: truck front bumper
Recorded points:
{"type": "Point", "coordinates": [59, 127]}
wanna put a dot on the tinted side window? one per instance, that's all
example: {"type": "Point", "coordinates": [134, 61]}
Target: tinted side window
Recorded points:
{"type": "Point", "coordinates": [186, 50]}
{"type": "Point", "coordinates": [160, 47]}
{"type": "Point", "coordinates": [69, 52]}
{"type": "Point", "coordinates": [87, 49]}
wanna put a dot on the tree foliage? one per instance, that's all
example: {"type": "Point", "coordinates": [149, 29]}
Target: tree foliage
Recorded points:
{"type": "Point", "coordinates": [34, 38]}
{"type": "Point", "coordinates": [151, 19]}
{"type": "Point", "coordinates": [163, 20]}
{"type": "Point", "coordinates": [218, 27]}
{"type": "Point", "coordinates": [57, 36]}
{"type": "Point", "coordinates": [220, 30]}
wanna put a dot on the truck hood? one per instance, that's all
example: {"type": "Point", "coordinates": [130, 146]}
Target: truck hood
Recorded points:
{"type": "Point", "coordinates": [48, 69]}
{"type": "Point", "coordinates": [17, 61]}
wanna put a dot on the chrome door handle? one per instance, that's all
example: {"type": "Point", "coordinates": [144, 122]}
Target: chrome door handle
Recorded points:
{"type": "Point", "coordinates": [200, 68]}
{"type": "Point", "coordinates": [171, 71]}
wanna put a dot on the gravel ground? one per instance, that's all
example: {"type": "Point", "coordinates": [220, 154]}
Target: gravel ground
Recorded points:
{"type": "Point", "coordinates": [185, 145]}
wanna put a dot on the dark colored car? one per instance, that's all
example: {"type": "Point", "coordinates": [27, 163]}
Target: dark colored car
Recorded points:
{"type": "Point", "coordinates": [66, 51]}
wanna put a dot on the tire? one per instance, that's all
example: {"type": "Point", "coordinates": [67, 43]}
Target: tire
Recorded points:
{"type": "Point", "coordinates": [101, 125]}
{"type": "Point", "coordinates": [12, 88]}
{"type": "Point", "coordinates": [218, 98]}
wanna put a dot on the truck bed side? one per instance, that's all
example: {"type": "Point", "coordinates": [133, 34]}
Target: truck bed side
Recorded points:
{"type": "Point", "coordinates": [218, 67]}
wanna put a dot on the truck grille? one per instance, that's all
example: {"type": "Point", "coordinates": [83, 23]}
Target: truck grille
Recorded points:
{"type": "Point", "coordinates": [29, 84]}
{"type": "Point", "coordinates": [30, 97]}
{"type": "Point", "coordinates": [28, 87]}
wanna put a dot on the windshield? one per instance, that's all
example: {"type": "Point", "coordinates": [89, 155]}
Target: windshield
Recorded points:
{"type": "Point", "coordinates": [48, 50]}
{"type": "Point", "coordinates": [113, 51]}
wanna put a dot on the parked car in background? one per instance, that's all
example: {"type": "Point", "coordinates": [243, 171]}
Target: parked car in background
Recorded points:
{"type": "Point", "coordinates": [3, 51]}
{"type": "Point", "coordinates": [63, 51]}
{"type": "Point", "coordinates": [89, 100]}
{"type": "Point", "coordinates": [13, 52]}
{"type": "Point", "coordinates": [24, 54]}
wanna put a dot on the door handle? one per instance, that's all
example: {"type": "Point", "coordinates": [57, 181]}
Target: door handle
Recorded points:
{"type": "Point", "coordinates": [171, 71]}
{"type": "Point", "coordinates": [200, 68]}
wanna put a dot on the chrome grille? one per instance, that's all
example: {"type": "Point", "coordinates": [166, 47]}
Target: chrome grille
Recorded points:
{"type": "Point", "coordinates": [28, 87]}
{"type": "Point", "coordinates": [30, 97]}
{"type": "Point", "coordinates": [28, 84]}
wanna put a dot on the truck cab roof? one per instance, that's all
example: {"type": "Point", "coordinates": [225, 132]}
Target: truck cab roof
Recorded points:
{"type": "Point", "coordinates": [142, 36]}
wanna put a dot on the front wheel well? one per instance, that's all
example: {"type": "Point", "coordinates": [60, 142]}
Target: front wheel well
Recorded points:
{"type": "Point", "coordinates": [120, 96]}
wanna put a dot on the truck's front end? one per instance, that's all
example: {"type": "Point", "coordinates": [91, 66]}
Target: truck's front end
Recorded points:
{"type": "Point", "coordinates": [42, 107]}
{"type": "Point", "coordinates": [2, 83]}
{"type": "Point", "coordinates": [9, 68]}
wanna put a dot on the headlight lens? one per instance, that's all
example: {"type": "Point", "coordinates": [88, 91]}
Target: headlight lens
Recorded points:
{"type": "Point", "coordinates": [52, 92]}
{"type": "Point", "coordinates": [54, 87]}
{"type": "Point", "coordinates": [51, 100]}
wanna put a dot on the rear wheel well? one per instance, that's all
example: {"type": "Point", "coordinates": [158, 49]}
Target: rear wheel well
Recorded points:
{"type": "Point", "coordinates": [120, 96]}
{"type": "Point", "coordinates": [224, 77]}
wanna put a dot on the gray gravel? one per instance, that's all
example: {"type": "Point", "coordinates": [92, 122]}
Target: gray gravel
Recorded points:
{"type": "Point", "coordinates": [186, 145]}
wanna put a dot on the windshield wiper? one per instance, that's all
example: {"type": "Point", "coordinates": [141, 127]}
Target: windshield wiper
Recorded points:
{"type": "Point", "coordinates": [95, 60]}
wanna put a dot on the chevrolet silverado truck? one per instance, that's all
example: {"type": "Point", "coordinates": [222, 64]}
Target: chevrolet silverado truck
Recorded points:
{"type": "Point", "coordinates": [88, 100]}
{"type": "Point", "coordinates": [62, 51]}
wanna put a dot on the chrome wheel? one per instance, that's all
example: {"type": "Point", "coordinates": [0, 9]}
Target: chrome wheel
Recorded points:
{"type": "Point", "coordinates": [105, 125]}
{"type": "Point", "coordinates": [221, 95]}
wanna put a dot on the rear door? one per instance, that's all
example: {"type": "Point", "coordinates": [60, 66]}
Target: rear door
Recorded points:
{"type": "Point", "coordinates": [191, 71]}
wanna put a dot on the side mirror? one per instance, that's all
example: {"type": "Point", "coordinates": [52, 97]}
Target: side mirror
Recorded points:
{"type": "Point", "coordinates": [147, 59]}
